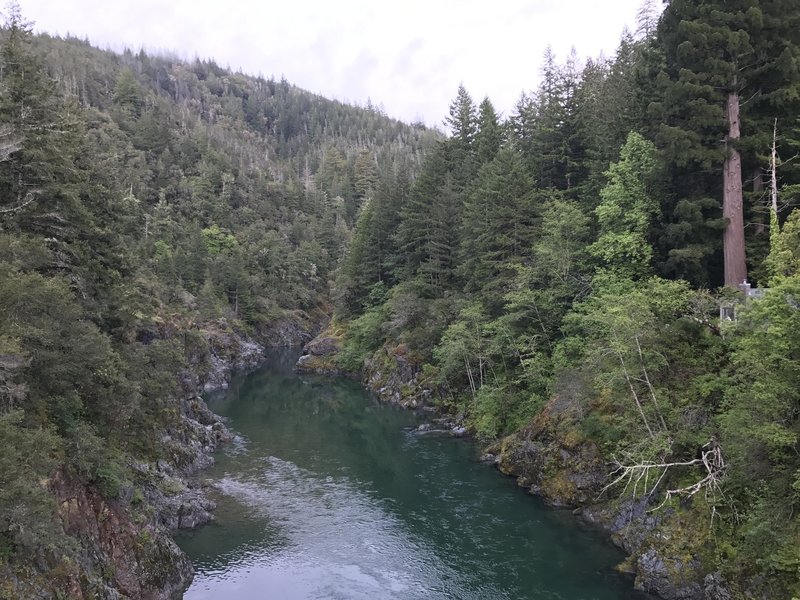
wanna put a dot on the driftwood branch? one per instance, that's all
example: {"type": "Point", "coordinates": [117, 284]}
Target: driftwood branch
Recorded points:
{"type": "Point", "coordinates": [640, 475]}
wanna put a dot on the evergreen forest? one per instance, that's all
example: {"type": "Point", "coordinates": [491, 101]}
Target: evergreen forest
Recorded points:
{"type": "Point", "coordinates": [564, 267]}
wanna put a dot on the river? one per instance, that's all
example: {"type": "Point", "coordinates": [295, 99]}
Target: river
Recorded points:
{"type": "Point", "coordinates": [327, 494]}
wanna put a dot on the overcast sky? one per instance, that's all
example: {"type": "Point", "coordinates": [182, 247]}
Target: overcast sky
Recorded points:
{"type": "Point", "coordinates": [408, 56]}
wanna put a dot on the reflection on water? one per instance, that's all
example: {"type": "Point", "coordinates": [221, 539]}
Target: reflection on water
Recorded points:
{"type": "Point", "coordinates": [327, 494]}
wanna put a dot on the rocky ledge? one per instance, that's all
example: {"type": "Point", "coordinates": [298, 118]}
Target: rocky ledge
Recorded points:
{"type": "Point", "coordinates": [319, 356]}
{"type": "Point", "coordinates": [180, 501]}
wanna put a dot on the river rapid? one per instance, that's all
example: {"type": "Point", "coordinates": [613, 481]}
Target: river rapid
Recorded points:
{"type": "Point", "coordinates": [327, 494]}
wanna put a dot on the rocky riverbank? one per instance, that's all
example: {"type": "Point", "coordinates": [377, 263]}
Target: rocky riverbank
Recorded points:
{"type": "Point", "coordinates": [117, 545]}
{"type": "Point", "coordinates": [670, 551]}
{"type": "Point", "coordinates": [390, 373]}
{"type": "Point", "coordinates": [178, 500]}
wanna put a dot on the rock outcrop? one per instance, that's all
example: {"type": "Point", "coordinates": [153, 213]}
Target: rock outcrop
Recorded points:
{"type": "Point", "coordinates": [179, 501]}
{"type": "Point", "coordinates": [295, 329]}
{"type": "Point", "coordinates": [396, 377]}
{"type": "Point", "coordinates": [218, 350]}
{"type": "Point", "coordinates": [319, 355]}
{"type": "Point", "coordinates": [669, 550]}
{"type": "Point", "coordinates": [133, 560]}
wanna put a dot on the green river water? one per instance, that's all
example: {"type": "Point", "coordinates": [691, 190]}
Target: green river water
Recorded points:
{"type": "Point", "coordinates": [327, 494]}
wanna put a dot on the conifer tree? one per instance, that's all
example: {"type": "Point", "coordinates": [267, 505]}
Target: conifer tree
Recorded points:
{"type": "Point", "coordinates": [727, 64]}
{"type": "Point", "coordinates": [361, 268]}
{"type": "Point", "coordinates": [611, 102]}
{"type": "Point", "coordinates": [438, 270]}
{"type": "Point", "coordinates": [128, 94]}
{"type": "Point", "coordinates": [414, 232]}
{"type": "Point", "coordinates": [365, 176]}
{"type": "Point", "coordinates": [462, 118]}
{"type": "Point", "coordinates": [543, 117]}
{"type": "Point", "coordinates": [547, 130]}
{"type": "Point", "coordinates": [490, 134]}
{"type": "Point", "coordinates": [497, 224]}
{"type": "Point", "coordinates": [30, 109]}
{"type": "Point", "coordinates": [462, 121]}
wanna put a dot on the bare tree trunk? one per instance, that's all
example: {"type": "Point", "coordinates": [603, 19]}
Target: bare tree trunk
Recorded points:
{"type": "Point", "coordinates": [732, 202]}
{"type": "Point", "coordinates": [469, 376]}
{"type": "Point", "coordinates": [758, 189]}
{"type": "Point", "coordinates": [774, 224]}
{"type": "Point", "coordinates": [650, 386]}
{"type": "Point", "coordinates": [774, 170]}
{"type": "Point", "coordinates": [480, 354]}
{"type": "Point", "coordinates": [635, 395]}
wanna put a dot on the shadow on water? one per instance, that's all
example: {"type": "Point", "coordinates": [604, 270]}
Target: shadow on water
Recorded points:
{"type": "Point", "coordinates": [327, 494]}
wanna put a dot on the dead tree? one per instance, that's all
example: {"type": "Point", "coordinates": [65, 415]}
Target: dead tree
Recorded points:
{"type": "Point", "coordinates": [645, 477]}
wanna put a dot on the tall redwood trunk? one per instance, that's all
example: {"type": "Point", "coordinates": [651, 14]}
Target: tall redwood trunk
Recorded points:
{"type": "Point", "coordinates": [732, 202]}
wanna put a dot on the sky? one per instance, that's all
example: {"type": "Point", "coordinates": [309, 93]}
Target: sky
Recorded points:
{"type": "Point", "coordinates": [408, 57]}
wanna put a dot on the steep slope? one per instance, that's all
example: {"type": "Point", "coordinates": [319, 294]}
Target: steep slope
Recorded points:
{"type": "Point", "coordinates": [547, 287]}
{"type": "Point", "coordinates": [160, 221]}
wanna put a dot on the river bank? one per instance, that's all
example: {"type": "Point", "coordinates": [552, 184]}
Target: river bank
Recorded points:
{"type": "Point", "coordinates": [669, 552]}
{"type": "Point", "coordinates": [119, 542]}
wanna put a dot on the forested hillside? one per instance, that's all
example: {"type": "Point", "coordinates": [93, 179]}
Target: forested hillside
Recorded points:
{"type": "Point", "coordinates": [556, 277]}
{"type": "Point", "coordinates": [144, 202]}
{"type": "Point", "coordinates": [552, 279]}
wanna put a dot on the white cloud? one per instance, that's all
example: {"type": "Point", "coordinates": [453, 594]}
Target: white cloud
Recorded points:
{"type": "Point", "coordinates": [409, 56]}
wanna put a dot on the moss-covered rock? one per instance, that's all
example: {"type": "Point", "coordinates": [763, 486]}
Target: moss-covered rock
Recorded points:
{"type": "Point", "coordinates": [553, 459]}
{"type": "Point", "coordinates": [321, 353]}
{"type": "Point", "coordinates": [395, 376]}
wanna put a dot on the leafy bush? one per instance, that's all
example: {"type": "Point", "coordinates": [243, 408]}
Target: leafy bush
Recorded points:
{"type": "Point", "coordinates": [363, 337]}
{"type": "Point", "coordinates": [497, 410]}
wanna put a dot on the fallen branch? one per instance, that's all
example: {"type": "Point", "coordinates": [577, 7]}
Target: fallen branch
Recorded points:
{"type": "Point", "coordinates": [639, 474]}
{"type": "Point", "coordinates": [29, 197]}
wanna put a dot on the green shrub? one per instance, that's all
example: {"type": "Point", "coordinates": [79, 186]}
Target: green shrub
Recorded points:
{"type": "Point", "coordinates": [363, 337]}
{"type": "Point", "coordinates": [498, 410]}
